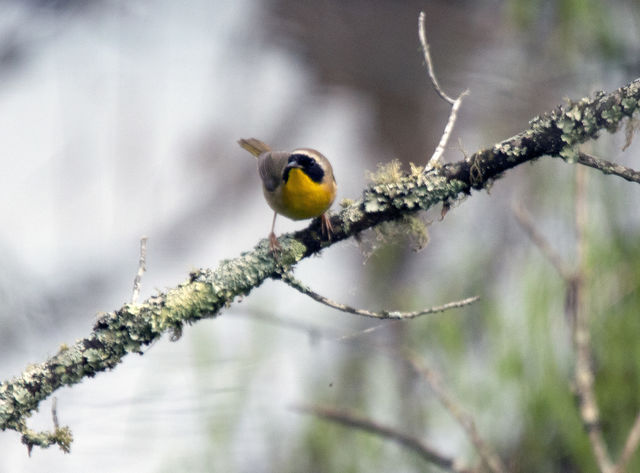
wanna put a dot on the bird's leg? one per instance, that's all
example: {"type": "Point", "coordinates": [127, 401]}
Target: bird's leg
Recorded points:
{"type": "Point", "coordinates": [273, 241]}
{"type": "Point", "coordinates": [325, 226]}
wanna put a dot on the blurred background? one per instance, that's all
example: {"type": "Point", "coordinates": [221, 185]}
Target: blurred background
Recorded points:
{"type": "Point", "coordinates": [120, 119]}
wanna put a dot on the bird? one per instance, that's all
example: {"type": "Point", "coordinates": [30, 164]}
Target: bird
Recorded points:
{"type": "Point", "coordinates": [298, 184]}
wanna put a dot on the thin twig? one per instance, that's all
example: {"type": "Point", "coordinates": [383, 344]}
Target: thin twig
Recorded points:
{"type": "Point", "coordinates": [350, 419]}
{"type": "Point", "coordinates": [54, 412]}
{"type": "Point", "coordinates": [526, 222]}
{"type": "Point", "coordinates": [488, 456]}
{"type": "Point", "coordinates": [422, 32]}
{"type": "Point", "coordinates": [453, 115]}
{"type": "Point", "coordinates": [393, 315]}
{"type": "Point", "coordinates": [607, 167]}
{"type": "Point", "coordinates": [142, 267]}
{"type": "Point", "coordinates": [455, 103]}
{"type": "Point", "coordinates": [630, 446]}
{"type": "Point", "coordinates": [577, 311]}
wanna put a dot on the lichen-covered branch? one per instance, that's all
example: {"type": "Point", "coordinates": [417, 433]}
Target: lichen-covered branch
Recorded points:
{"type": "Point", "coordinates": [556, 134]}
{"type": "Point", "coordinates": [206, 292]}
{"type": "Point", "coordinates": [127, 330]}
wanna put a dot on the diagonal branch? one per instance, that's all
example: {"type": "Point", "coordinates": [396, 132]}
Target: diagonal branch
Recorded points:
{"type": "Point", "coordinates": [351, 419]}
{"type": "Point", "coordinates": [526, 222]}
{"type": "Point", "coordinates": [630, 446]}
{"type": "Point", "coordinates": [208, 292]}
{"type": "Point", "coordinates": [488, 456]}
{"type": "Point", "coordinates": [607, 167]}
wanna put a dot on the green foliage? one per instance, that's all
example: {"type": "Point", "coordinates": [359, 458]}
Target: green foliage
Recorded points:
{"type": "Point", "coordinates": [540, 366]}
{"type": "Point", "coordinates": [533, 362]}
{"type": "Point", "coordinates": [586, 27]}
{"type": "Point", "coordinates": [317, 451]}
{"type": "Point", "coordinates": [616, 326]}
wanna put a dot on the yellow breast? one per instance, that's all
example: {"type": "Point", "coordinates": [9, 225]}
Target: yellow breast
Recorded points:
{"type": "Point", "coordinates": [303, 198]}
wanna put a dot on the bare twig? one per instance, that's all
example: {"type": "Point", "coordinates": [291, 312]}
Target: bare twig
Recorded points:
{"type": "Point", "coordinates": [526, 222]}
{"type": "Point", "coordinates": [455, 103]}
{"type": "Point", "coordinates": [630, 446]}
{"type": "Point", "coordinates": [60, 436]}
{"type": "Point", "coordinates": [350, 419]}
{"type": "Point", "coordinates": [142, 267]}
{"type": "Point", "coordinates": [394, 315]}
{"type": "Point", "coordinates": [453, 115]}
{"type": "Point", "coordinates": [577, 312]}
{"type": "Point", "coordinates": [54, 412]}
{"type": "Point", "coordinates": [422, 32]}
{"type": "Point", "coordinates": [607, 167]}
{"type": "Point", "coordinates": [488, 456]}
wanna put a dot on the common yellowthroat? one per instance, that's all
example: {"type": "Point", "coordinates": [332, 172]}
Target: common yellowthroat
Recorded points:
{"type": "Point", "coordinates": [297, 184]}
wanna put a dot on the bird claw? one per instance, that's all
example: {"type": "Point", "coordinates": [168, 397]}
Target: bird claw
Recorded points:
{"type": "Point", "coordinates": [274, 244]}
{"type": "Point", "coordinates": [325, 226]}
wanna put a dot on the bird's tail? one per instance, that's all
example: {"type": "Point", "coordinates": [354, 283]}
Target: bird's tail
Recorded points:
{"type": "Point", "coordinates": [254, 146]}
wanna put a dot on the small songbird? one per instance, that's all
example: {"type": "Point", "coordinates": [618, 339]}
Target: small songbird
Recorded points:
{"type": "Point", "coordinates": [297, 184]}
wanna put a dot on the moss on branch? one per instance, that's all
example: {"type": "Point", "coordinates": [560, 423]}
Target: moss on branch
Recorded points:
{"type": "Point", "coordinates": [206, 292]}
{"type": "Point", "coordinates": [556, 134]}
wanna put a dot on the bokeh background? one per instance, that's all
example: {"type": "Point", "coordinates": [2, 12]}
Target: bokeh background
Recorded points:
{"type": "Point", "coordinates": [119, 119]}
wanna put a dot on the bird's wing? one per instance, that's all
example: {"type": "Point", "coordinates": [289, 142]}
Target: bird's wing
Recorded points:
{"type": "Point", "coordinates": [271, 166]}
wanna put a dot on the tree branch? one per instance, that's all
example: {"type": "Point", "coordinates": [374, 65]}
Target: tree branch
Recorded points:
{"type": "Point", "coordinates": [383, 314]}
{"type": "Point", "coordinates": [554, 134]}
{"type": "Point", "coordinates": [526, 222]}
{"type": "Point", "coordinates": [207, 292]}
{"type": "Point", "coordinates": [350, 419]}
{"type": "Point", "coordinates": [422, 34]}
{"type": "Point", "coordinates": [607, 167]}
{"type": "Point", "coordinates": [455, 103]}
{"type": "Point", "coordinates": [630, 446]}
{"type": "Point", "coordinates": [488, 456]}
